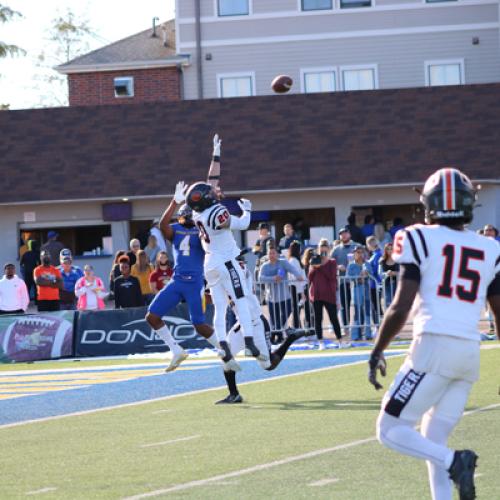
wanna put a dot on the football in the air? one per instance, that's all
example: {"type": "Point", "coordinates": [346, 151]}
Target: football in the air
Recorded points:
{"type": "Point", "coordinates": [282, 84]}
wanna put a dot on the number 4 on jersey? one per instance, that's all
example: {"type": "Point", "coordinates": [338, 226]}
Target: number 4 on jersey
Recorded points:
{"type": "Point", "coordinates": [445, 288]}
{"type": "Point", "coordinates": [184, 246]}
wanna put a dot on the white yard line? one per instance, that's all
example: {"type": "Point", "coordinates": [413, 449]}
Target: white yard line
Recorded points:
{"type": "Point", "coordinates": [41, 491]}
{"type": "Point", "coordinates": [171, 441]}
{"type": "Point", "coordinates": [174, 396]}
{"type": "Point", "coordinates": [324, 482]}
{"type": "Point", "coordinates": [275, 463]}
{"type": "Point", "coordinates": [160, 411]}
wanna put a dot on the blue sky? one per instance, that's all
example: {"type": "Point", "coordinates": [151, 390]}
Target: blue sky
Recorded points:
{"type": "Point", "coordinates": [110, 19]}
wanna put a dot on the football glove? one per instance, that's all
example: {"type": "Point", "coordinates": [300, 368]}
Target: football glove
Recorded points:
{"type": "Point", "coordinates": [245, 205]}
{"type": "Point", "coordinates": [217, 144]}
{"type": "Point", "coordinates": [376, 362]}
{"type": "Point", "coordinates": [180, 192]}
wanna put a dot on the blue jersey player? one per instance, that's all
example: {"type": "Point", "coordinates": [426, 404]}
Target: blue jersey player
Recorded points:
{"type": "Point", "coordinates": [187, 282]}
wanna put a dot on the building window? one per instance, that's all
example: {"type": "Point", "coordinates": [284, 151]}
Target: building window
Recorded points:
{"type": "Point", "coordinates": [352, 4]}
{"type": "Point", "coordinates": [359, 78]}
{"type": "Point", "coordinates": [444, 73]}
{"type": "Point", "coordinates": [319, 80]}
{"type": "Point", "coordinates": [124, 86]}
{"type": "Point", "coordinates": [236, 85]}
{"type": "Point", "coordinates": [233, 8]}
{"type": "Point", "coordinates": [439, 1]}
{"type": "Point", "coordinates": [316, 4]}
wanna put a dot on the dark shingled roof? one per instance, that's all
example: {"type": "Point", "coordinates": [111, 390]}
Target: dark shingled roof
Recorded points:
{"type": "Point", "coordinates": [269, 143]}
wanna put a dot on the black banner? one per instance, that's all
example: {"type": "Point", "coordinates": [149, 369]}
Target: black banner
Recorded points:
{"type": "Point", "coordinates": [125, 331]}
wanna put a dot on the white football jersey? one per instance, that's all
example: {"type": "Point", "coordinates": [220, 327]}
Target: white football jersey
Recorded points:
{"type": "Point", "coordinates": [219, 243]}
{"type": "Point", "coordinates": [456, 268]}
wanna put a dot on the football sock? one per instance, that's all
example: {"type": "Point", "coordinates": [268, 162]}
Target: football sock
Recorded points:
{"type": "Point", "coordinates": [230, 377]}
{"type": "Point", "coordinates": [402, 437]}
{"type": "Point", "coordinates": [166, 336]}
{"type": "Point", "coordinates": [438, 430]}
{"type": "Point", "coordinates": [212, 340]}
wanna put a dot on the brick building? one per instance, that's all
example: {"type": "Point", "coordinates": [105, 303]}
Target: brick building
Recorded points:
{"type": "Point", "coordinates": [141, 68]}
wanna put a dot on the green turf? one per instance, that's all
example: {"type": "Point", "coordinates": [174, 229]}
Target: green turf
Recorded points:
{"type": "Point", "coordinates": [99, 455]}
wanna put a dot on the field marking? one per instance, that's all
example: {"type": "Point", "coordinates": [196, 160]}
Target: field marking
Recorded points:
{"type": "Point", "coordinates": [171, 441]}
{"type": "Point", "coordinates": [184, 394]}
{"type": "Point", "coordinates": [324, 482]}
{"type": "Point", "coordinates": [40, 492]}
{"type": "Point", "coordinates": [275, 463]}
{"type": "Point", "coordinates": [157, 412]}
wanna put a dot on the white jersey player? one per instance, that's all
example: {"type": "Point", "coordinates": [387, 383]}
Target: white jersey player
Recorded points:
{"type": "Point", "coordinates": [447, 273]}
{"type": "Point", "coordinates": [222, 272]}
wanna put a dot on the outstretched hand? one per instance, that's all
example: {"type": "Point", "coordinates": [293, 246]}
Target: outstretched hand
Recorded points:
{"type": "Point", "coordinates": [376, 362]}
{"type": "Point", "coordinates": [245, 205]}
{"type": "Point", "coordinates": [180, 192]}
{"type": "Point", "coordinates": [217, 145]}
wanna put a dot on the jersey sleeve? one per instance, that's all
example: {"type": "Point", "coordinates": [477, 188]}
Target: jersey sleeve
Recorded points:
{"type": "Point", "coordinates": [410, 247]}
{"type": "Point", "coordinates": [218, 217]}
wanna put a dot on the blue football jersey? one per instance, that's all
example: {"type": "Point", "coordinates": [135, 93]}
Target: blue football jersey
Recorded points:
{"type": "Point", "coordinates": [188, 253]}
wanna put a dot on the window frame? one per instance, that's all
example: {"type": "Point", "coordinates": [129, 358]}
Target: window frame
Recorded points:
{"type": "Point", "coordinates": [238, 74]}
{"type": "Point", "coordinates": [372, 66]}
{"type": "Point", "coordinates": [318, 69]}
{"type": "Point", "coordinates": [219, 15]}
{"type": "Point", "coordinates": [301, 7]}
{"type": "Point", "coordinates": [131, 80]}
{"type": "Point", "coordinates": [444, 62]}
{"type": "Point", "coordinates": [372, 4]}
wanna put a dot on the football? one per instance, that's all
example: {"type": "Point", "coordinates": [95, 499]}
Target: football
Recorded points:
{"type": "Point", "coordinates": [281, 84]}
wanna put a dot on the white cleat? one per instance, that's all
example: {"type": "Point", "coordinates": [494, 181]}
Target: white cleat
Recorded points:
{"type": "Point", "coordinates": [176, 361]}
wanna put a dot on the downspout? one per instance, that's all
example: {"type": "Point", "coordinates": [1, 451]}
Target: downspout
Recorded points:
{"type": "Point", "coordinates": [199, 68]}
{"type": "Point", "coordinates": [180, 72]}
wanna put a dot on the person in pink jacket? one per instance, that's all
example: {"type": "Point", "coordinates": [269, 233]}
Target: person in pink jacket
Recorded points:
{"type": "Point", "coordinates": [90, 291]}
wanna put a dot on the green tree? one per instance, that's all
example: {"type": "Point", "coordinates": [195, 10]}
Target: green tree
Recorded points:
{"type": "Point", "coordinates": [6, 15]}
{"type": "Point", "coordinates": [69, 36]}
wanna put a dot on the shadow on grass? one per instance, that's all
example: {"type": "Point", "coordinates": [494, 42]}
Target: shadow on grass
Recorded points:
{"type": "Point", "coordinates": [325, 404]}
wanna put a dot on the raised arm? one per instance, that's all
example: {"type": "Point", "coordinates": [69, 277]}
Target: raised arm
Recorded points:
{"type": "Point", "coordinates": [178, 199]}
{"type": "Point", "coordinates": [214, 170]}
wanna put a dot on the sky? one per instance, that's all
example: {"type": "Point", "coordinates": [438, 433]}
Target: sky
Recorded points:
{"type": "Point", "coordinates": [111, 20]}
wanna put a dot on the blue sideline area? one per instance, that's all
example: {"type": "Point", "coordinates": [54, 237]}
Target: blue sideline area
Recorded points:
{"type": "Point", "coordinates": [193, 377]}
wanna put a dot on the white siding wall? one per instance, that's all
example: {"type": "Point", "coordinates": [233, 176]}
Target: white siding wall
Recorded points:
{"type": "Point", "coordinates": [400, 59]}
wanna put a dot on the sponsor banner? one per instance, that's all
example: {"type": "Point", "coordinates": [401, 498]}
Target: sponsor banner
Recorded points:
{"type": "Point", "coordinates": [125, 331]}
{"type": "Point", "coordinates": [33, 337]}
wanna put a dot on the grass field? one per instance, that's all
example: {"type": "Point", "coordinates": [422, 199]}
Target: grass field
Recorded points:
{"type": "Point", "coordinates": [304, 436]}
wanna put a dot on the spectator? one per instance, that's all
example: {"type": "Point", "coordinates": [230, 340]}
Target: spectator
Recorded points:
{"type": "Point", "coordinates": [356, 233]}
{"type": "Point", "coordinates": [14, 298]}
{"type": "Point", "coordinates": [49, 283]}
{"type": "Point", "coordinates": [29, 261]}
{"type": "Point", "coordinates": [23, 247]}
{"type": "Point", "coordinates": [323, 291]}
{"type": "Point", "coordinates": [368, 227]}
{"type": "Point", "coordinates": [152, 249]}
{"type": "Point", "coordinates": [290, 236]}
{"type": "Point", "coordinates": [388, 270]}
{"type": "Point", "coordinates": [306, 264]}
{"type": "Point", "coordinates": [53, 246]}
{"type": "Point", "coordinates": [397, 224]}
{"type": "Point", "coordinates": [374, 278]}
{"type": "Point", "coordinates": [273, 272]}
{"type": "Point", "coordinates": [115, 270]}
{"type": "Point", "coordinates": [135, 246]}
{"type": "Point", "coordinates": [265, 241]}
{"type": "Point", "coordinates": [343, 254]}
{"type": "Point", "coordinates": [127, 287]}
{"type": "Point", "coordinates": [297, 289]}
{"type": "Point", "coordinates": [90, 291]}
{"type": "Point", "coordinates": [490, 231]}
{"type": "Point", "coordinates": [162, 274]}
{"type": "Point", "coordinates": [164, 244]}
{"type": "Point", "coordinates": [381, 234]}
{"type": "Point", "coordinates": [356, 270]}
{"type": "Point", "coordinates": [142, 270]}
{"type": "Point", "coordinates": [70, 275]}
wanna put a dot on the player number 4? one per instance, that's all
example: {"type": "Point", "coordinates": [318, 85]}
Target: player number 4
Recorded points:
{"type": "Point", "coordinates": [464, 272]}
{"type": "Point", "coordinates": [184, 246]}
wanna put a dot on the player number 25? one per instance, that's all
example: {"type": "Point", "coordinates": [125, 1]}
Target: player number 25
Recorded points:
{"type": "Point", "coordinates": [464, 272]}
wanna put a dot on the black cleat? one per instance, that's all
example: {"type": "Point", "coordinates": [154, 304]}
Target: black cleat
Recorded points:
{"type": "Point", "coordinates": [462, 473]}
{"type": "Point", "coordinates": [231, 399]}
